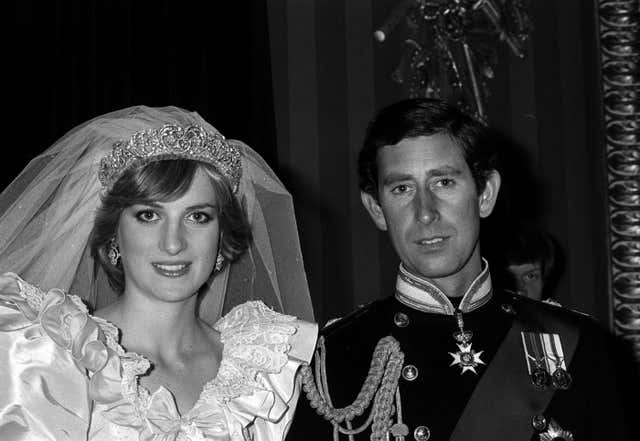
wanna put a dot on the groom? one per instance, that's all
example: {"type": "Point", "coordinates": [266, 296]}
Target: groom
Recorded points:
{"type": "Point", "coordinates": [473, 363]}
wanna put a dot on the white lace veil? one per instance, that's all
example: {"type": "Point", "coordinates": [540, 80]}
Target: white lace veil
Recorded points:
{"type": "Point", "coordinates": [47, 214]}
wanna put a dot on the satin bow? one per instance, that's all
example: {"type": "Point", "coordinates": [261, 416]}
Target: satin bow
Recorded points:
{"type": "Point", "coordinates": [163, 421]}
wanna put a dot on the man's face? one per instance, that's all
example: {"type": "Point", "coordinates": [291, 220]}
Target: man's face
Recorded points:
{"type": "Point", "coordinates": [428, 202]}
{"type": "Point", "coordinates": [528, 279]}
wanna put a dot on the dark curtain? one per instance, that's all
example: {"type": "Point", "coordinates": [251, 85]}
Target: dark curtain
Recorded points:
{"type": "Point", "coordinates": [71, 60]}
{"type": "Point", "coordinates": [329, 77]}
{"type": "Point", "coordinates": [316, 64]}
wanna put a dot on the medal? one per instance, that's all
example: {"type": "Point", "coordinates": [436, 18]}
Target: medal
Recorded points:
{"type": "Point", "coordinates": [561, 379]}
{"type": "Point", "coordinates": [539, 375]}
{"type": "Point", "coordinates": [545, 361]}
{"type": "Point", "coordinates": [466, 357]}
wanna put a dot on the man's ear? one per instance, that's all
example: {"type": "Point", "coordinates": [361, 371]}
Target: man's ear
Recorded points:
{"type": "Point", "coordinates": [489, 196]}
{"type": "Point", "coordinates": [374, 210]}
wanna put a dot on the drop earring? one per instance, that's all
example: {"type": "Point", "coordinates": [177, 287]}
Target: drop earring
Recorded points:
{"type": "Point", "coordinates": [219, 262]}
{"type": "Point", "coordinates": [113, 252]}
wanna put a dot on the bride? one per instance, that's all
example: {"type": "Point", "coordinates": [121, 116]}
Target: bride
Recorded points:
{"type": "Point", "coordinates": [161, 225]}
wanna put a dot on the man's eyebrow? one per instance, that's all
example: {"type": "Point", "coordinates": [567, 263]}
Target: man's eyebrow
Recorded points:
{"type": "Point", "coordinates": [444, 171]}
{"type": "Point", "coordinates": [392, 177]}
{"type": "Point", "coordinates": [396, 177]}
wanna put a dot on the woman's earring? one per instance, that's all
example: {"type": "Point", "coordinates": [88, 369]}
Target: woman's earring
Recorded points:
{"type": "Point", "coordinates": [113, 252]}
{"type": "Point", "coordinates": [219, 262]}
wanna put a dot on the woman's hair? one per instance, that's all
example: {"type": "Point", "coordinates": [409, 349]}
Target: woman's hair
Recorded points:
{"type": "Point", "coordinates": [164, 181]}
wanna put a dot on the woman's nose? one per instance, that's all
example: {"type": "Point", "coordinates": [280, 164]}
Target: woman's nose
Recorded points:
{"type": "Point", "coordinates": [173, 238]}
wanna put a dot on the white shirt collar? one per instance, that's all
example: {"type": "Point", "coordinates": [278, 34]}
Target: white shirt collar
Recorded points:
{"type": "Point", "coordinates": [421, 294]}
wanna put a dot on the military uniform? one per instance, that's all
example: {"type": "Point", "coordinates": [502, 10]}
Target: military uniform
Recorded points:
{"type": "Point", "coordinates": [502, 389]}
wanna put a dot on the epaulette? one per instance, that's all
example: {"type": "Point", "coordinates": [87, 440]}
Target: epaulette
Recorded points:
{"type": "Point", "coordinates": [523, 302]}
{"type": "Point", "coordinates": [336, 324]}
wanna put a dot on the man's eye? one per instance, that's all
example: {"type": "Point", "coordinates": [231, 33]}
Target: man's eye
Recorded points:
{"type": "Point", "coordinates": [199, 217]}
{"type": "Point", "coordinates": [445, 182]}
{"type": "Point", "coordinates": [147, 216]}
{"type": "Point", "coordinates": [399, 189]}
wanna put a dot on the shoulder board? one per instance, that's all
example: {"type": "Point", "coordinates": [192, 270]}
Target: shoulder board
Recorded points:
{"type": "Point", "coordinates": [337, 323]}
{"type": "Point", "coordinates": [523, 303]}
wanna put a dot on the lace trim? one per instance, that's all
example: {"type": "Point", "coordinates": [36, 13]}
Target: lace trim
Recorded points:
{"type": "Point", "coordinates": [32, 294]}
{"type": "Point", "coordinates": [133, 366]}
{"type": "Point", "coordinates": [256, 339]}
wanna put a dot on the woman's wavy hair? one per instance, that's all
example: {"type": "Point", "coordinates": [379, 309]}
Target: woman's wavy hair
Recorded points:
{"type": "Point", "coordinates": [165, 181]}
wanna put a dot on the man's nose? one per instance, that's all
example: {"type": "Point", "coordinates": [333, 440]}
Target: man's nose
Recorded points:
{"type": "Point", "coordinates": [426, 207]}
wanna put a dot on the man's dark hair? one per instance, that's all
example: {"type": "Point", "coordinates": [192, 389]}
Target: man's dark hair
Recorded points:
{"type": "Point", "coordinates": [425, 117]}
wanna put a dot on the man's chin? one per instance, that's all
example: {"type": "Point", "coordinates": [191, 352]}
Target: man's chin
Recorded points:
{"type": "Point", "coordinates": [431, 271]}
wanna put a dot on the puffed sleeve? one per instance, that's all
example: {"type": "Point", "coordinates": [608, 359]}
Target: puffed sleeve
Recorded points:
{"type": "Point", "coordinates": [48, 347]}
{"type": "Point", "coordinates": [257, 377]}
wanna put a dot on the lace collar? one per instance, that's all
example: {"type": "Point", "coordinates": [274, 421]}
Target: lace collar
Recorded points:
{"type": "Point", "coordinates": [421, 294]}
{"type": "Point", "coordinates": [256, 340]}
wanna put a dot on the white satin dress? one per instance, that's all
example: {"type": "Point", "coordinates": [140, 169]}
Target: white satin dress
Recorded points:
{"type": "Point", "coordinates": [63, 376]}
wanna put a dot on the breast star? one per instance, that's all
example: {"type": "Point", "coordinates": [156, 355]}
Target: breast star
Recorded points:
{"type": "Point", "coordinates": [466, 358]}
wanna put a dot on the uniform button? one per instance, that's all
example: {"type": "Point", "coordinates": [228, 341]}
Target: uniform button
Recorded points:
{"type": "Point", "coordinates": [539, 422]}
{"type": "Point", "coordinates": [410, 372]}
{"type": "Point", "coordinates": [401, 319]}
{"type": "Point", "coordinates": [422, 433]}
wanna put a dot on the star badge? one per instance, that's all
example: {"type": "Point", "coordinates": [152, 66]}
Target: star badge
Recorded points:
{"type": "Point", "coordinates": [555, 433]}
{"type": "Point", "coordinates": [466, 358]}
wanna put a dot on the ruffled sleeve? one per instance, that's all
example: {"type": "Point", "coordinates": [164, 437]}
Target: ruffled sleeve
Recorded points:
{"type": "Point", "coordinates": [256, 382]}
{"type": "Point", "coordinates": [53, 357]}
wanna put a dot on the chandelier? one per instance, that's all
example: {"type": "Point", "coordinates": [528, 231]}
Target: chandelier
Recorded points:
{"type": "Point", "coordinates": [451, 49]}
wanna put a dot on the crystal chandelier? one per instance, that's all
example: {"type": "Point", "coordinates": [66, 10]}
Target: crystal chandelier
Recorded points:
{"type": "Point", "coordinates": [451, 49]}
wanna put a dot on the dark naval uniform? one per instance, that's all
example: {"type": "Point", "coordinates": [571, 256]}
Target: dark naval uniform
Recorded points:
{"type": "Point", "coordinates": [496, 386]}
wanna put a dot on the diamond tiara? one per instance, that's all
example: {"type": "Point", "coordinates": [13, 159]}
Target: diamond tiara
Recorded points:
{"type": "Point", "coordinates": [172, 142]}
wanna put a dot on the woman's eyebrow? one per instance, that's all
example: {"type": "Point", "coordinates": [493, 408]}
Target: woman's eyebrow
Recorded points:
{"type": "Point", "coordinates": [201, 206]}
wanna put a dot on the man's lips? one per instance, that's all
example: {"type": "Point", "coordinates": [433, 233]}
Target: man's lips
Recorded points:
{"type": "Point", "coordinates": [432, 240]}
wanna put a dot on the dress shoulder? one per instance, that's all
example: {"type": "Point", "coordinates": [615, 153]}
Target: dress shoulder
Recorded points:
{"type": "Point", "coordinates": [53, 356]}
{"type": "Point", "coordinates": [262, 352]}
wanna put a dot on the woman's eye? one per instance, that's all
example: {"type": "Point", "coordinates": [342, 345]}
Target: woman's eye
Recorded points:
{"type": "Point", "coordinates": [199, 217]}
{"type": "Point", "coordinates": [147, 216]}
{"type": "Point", "coordinates": [531, 276]}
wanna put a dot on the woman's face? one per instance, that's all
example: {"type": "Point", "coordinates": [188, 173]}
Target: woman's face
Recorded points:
{"type": "Point", "coordinates": [169, 248]}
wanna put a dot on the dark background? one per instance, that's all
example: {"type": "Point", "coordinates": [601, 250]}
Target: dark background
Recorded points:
{"type": "Point", "coordinates": [298, 81]}
{"type": "Point", "coordinates": [71, 60]}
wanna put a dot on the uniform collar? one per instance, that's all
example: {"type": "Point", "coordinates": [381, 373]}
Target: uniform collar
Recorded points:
{"type": "Point", "coordinates": [421, 294]}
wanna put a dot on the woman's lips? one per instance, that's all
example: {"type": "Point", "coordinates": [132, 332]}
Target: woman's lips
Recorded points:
{"type": "Point", "coordinates": [172, 269]}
